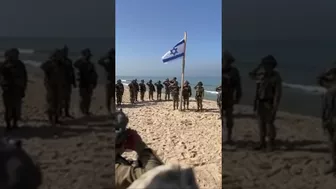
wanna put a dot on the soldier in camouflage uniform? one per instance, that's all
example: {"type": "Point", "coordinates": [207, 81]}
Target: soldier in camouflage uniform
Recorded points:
{"type": "Point", "coordinates": [137, 89]}
{"type": "Point", "coordinates": [199, 89]}
{"type": "Point", "coordinates": [175, 92]}
{"type": "Point", "coordinates": [186, 93]}
{"type": "Point", "coordinates": [55, 72]}
{"type": "Point", "coordinates": [231, 91]}
{"type": "Point", "coordinates": [70, 82]}
{"type": "Point", "coordinates": [167, 91]}
{"type": "Point", "coordinates": [219, 100]}
{"type": "Point", "coordinates": [328, 81]}
{"type": "Point", "coordinates": [120, 92]}
{"type": "Point", "coordinates": [142, 87]}
{"type": "Point", "coordinates": [13, 83]}
{"type": "Point", "coordinates": [108, 63]}
{"type": "Point", "coordinates": [159, 88]}
{"type": "Point", "coordinates": [126, 172]}
{"type": "Point", "coordinates": [132, 90]}
{"type": "Point", "coordinates": [269, 85]}
{"type": "Point", "coordinates": [151, 90]}
{"type": "Point", "coordinates": [88, 79]}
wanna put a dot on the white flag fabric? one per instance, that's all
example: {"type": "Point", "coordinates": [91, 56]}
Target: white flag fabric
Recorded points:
{"type": "Point", "coordinates": [176, 52]}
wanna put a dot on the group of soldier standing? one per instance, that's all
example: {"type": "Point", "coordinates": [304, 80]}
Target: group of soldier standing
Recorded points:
{"type": "Point", "coordinates": [59, 79]}
{"type": "Point", "coordinates": [267, 100]}
{"type": "Point", "coordinates": [172, 89]}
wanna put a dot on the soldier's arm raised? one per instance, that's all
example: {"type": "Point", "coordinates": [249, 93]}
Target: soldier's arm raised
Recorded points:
{"type": "Point", "coordinates": [254, 73]}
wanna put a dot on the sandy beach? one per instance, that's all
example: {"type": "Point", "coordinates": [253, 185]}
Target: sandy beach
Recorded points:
{"type": "Point", "coordinates": [78, 154]}
{"type": "Point", "coordinates": [189, 138]}
{"type": "Point", "coordinates": [301, 157]}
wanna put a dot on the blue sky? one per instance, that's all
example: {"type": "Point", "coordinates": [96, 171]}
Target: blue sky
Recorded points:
{"type": "Point", "coordinates": [147, 29]}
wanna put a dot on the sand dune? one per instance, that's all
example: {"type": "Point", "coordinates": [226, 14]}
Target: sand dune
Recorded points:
{"type": "Point", "coordinates": [189, 138]}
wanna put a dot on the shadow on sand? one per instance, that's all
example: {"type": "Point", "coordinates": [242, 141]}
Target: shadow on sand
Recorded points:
{"type": "Point", "coordinates": [68, 128]}
{"type": "Point", "coordinates": [287, 146]}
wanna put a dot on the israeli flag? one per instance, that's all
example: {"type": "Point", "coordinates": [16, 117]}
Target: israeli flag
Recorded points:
{"type": "Point", "coordinates": [176, 52]}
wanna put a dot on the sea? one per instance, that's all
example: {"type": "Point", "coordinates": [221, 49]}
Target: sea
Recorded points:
{"type": "Point", "coordinates": [299, 63]}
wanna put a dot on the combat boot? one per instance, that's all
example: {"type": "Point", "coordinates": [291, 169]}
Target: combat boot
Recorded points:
{"type": "Point", "coordinates": [229, 140]}
{"type": "Point", "coordinates": [262, 144]}
{"type": "Point", "coordinates": [270, 146]}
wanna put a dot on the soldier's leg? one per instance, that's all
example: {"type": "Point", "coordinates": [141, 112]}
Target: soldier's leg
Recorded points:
{"type": "Point", "coordinates": [89, 100]}
{"type": "Point", "coordinates": [136, 96]}
{"type": "Point", "coordinates": [68, 102]}
{"type": "Point", "coordinates": [332, 147]}
{"type": "Point", "coordinates": [229, 123]}
{"type": "Point", "coordinates": [188, 103]}
{"type": "Point", "coordinates": [82, 93]}
{"type": "Point", "coordinates": [262, 126]}
{"type": "Point", "coordinates": [201, 104]}
{"type": "Point", "coordinates": [7, 115]}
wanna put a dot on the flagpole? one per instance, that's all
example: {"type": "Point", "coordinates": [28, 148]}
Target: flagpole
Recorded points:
{"type": "Point", "coordinates": [183, 66]}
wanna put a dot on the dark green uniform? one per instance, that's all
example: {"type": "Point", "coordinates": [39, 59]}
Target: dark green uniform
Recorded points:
{"type": "Point", "coordinates": [159, 88]}
{"type": "Point", "coordinates": [70, 82]}
{"type": "Point", "coordinates": [231, 91]}
{"type": "Point", "coordinates": [126, 173]}
{"type": "Point", "coordinates": [120, 92]}
{"type": "Point", "coordinates": [167, 91]}
{"type": "Point", "coordinates": [327, 80]}
{"type": "Point", "coordinates": [54, 80]}
{"type": "Point", "coordinates": [186, 93]}
{"type": "Point", "coordinates": [131, 88]}
{"type": "Point", "coordinates": [108, 63]}
{"type": "Point", "coordinates": [151, 90]}
{"type": "Point", "coordinates": [13, 83]}
{"type": "Point", "coordinates": [175, 92]}
{"type": "Point", "coordinates": [88, 79]}
{"type": "Point", "coordinates": [142, 88]}
{"type": "Point", "coordinates": [199, 89]}
{"type": "Point", "coordinates": [136, 92]}
{"type": "Point", "coordinates": [269, 91]}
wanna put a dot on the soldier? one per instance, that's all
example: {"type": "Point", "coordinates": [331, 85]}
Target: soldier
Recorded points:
{"type": "Point", "coordinates": [13, 83]}
{"type": "Point", "coordinates": [159, 88]}
{"type": "Point", "coordinates": [120, 92]}
{"type": "Point", "coordinates": [55, 73]}
{"type": "Point", "coordinates": [142, 87]}
{"type": "Point", "coordinates": [231, 91]}
{"type": "Point", "coordinates": [151, 90]}
{"type": "Point", "coordinates": [132, 89]}
{"type": "Point", "coordinates": [126, 139]}
{"type": "Point", "coordinates": [88, 79]}
{"type": "Point", "coordinates": [136, 92]}
{"type": "Point", "coordinates": [328, 81]}
{"type": "Point", "coordinates": [167, 92]}
{"type": "Point", "coordinates": [186, 93]}
{"type": "Point", "coordinates": [219, 100]}
{"type": "Point", "coordinates": [70, 82]}
{"type": "Point", "coordinates": [175, 92]}
{"type": "Point", "coordinates": [108, 63]}
{"type": "Point", "coordinates": [199, 95]}
{"type": "Point", "coordinates": [269, 85]}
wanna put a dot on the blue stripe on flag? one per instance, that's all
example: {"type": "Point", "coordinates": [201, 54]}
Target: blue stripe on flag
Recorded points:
{"type": "Point", "coordinates": [178, 44]}
{"type": "Point", "coordinates": [172, 58]}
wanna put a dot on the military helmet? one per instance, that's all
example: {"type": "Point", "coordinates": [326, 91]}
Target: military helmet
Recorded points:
{"type": "Point", "coordinates": [142, 80]}
{"type": "Point", "coordinates": [167, 79]}
{"type": "Point", "coordinates": [12, 52]}
{"type": "Point", "coordinates": [159, 81]}
{"type": "Point", "coordinates": [174, 78]}
{"type": "Point", "coordinates": [119, 81]}
{"type": "Point", "coordinates": [227, 56]}
{"type": "Point", "coordinates": [186, 82]}
{"type": "Point", "coordinates": [269, 59]}
{"type": "Point", "coordinates": [86, 52]}
{"type": "Point", "coordinates": [119, 122]}
{"type": "Point", "coordinates": [150, 80]}
{"type": "Point", "coordinates": [200, 83]}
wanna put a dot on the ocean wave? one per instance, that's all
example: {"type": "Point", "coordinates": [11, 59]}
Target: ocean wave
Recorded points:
{"type": "Point", "coordinates": [306, 88]}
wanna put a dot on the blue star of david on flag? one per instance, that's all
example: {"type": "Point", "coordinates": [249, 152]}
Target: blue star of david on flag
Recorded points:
{"type": "Point", "coordinates": [176, 52]}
